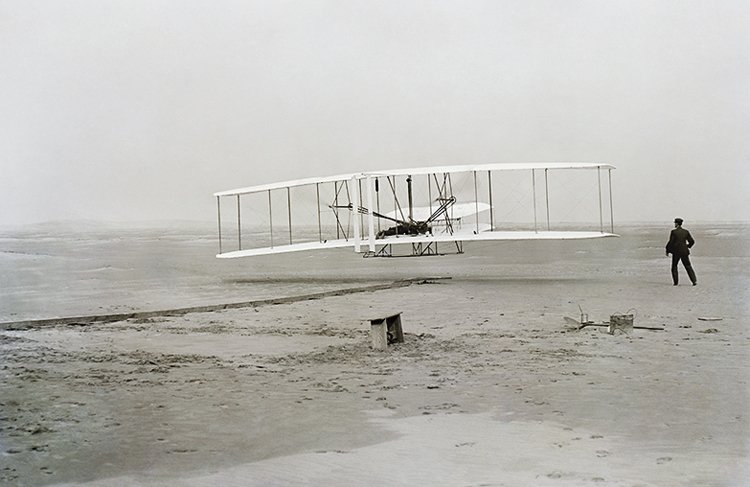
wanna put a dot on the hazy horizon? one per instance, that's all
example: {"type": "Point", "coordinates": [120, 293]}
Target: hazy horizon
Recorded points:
{"type": "Point", "coordinates": [211, 225]}
{"type": "Point", "coordinates": [139, 110]}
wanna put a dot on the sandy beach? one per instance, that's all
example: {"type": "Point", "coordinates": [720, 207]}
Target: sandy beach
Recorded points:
{"type": "Point", "coordinates": [491, 387]}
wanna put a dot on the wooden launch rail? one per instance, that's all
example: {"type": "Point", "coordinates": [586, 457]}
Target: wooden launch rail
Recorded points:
{"type": "Point", "coordinates": [110, 318]}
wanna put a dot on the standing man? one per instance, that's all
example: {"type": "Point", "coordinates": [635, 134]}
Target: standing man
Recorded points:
{"type": "Point", "coordinates": [679, 245]}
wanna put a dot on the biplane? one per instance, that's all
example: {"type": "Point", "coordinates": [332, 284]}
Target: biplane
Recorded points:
{"type": "Point", "coordinates": [421, 211]}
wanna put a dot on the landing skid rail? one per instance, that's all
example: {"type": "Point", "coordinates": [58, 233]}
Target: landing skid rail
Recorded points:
{"type": "Point", "coordinates": [418, 249]}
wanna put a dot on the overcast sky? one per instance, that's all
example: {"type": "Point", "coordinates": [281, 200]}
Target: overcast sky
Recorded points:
{"type": "Point", "coordinates": [141, 110]}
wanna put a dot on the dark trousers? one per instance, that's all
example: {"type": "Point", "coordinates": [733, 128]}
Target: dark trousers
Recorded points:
{"type": "Point", "coordinates": [688, 267]}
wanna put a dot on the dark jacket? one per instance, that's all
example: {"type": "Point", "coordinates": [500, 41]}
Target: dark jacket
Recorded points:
{"type": "Point", "coordinates": [680, 242]}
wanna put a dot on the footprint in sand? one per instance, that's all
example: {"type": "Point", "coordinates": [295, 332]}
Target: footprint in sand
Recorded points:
{"type": "Point", "coordinates": [559, 475]}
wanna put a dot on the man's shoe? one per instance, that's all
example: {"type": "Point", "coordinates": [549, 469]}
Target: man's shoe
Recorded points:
{"type": "Point", "coordinates": [695, 284]}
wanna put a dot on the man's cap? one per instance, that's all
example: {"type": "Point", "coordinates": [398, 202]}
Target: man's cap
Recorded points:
{"type": "Point", "coordinates": [678, 221]}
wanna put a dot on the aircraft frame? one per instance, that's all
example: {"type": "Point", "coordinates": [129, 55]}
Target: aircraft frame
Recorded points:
{"type": "Point", "coordinates": [355, 205]}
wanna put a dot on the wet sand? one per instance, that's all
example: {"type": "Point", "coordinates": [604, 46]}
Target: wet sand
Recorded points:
{"type": "Point", "coordinates": [491, 387]}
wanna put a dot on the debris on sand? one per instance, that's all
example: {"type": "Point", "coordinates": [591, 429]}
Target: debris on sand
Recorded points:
{"type": "Point", "coordinates": [621, 323]}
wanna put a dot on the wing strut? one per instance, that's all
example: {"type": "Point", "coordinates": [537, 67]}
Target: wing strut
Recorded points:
{"type": "Point", "coordinates": [476, 200]}
{"type": "Point", "coordinates": [218, 209]}
{"type": "Point", "coordinates": [289, 207]}
{"type": "Point", "coordinates": [546, 194]}
{"type": "Point", "coordinates": [339, 227]}
{"type": "Point", "coordinates": [355, 197]}
{"type": "Point", "coordinates": [492, 217]}
{"type": "Point", "coordinates": [239, 224]}
{"type": "Point", "coordinates": [320, 227]}
{"type": "Point", "coordinates": [411, 204]}
{"type": "Point", "coordinates": [270, 216]}
{"type": "Point", "coordinates": [601, 215]}
{"type": "Point", "coordinates": [370, 219]}
{"type": "Point", "coordinates": [611, 211]}
{"type": "Point", "coordinates": [533, 195]}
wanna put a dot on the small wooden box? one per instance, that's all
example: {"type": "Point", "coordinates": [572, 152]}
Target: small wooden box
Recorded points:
{"type": "Point", "coordinates": [387, 330]}
{"type": "Point", "coordinates": [623, 323]}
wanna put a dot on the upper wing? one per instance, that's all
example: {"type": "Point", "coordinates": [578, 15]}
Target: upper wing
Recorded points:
{"type": "Point", "coordinates": [428, 170]}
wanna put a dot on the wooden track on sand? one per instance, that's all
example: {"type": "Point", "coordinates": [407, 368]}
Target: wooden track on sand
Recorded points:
{"type": "Point", "coordinates": [110, 318]}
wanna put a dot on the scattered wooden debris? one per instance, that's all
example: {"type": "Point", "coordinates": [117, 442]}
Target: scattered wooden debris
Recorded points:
{"type": "Point", "coordinates": [622, 322]}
